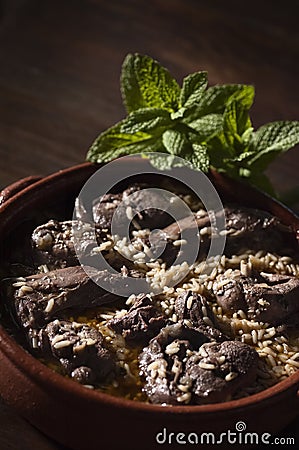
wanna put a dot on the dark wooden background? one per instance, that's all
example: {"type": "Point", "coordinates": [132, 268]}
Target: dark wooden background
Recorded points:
{"type": "Point", "coordinates": [59, 83]}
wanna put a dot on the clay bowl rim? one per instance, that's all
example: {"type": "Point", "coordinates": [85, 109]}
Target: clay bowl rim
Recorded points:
{"type": "Point", "coordinates": [44, 376]}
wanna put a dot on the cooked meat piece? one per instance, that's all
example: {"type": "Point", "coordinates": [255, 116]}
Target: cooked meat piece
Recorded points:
{"type": "Point", "coordinates": [163, 243]}
{"type": "Point", "coordinates": [241, 222]}
{"type": "Point", "coordinates": [42, 297]}
{"type": "Point", "coordinates": [146, 207]}
{"type": "Point", "coordinates": [219, 370]}
{"type": "Point", "coordinates": [230, 295]}
{"type": "Point", "coordinates": [245, 228]}
{"type": "Point", "coordinates": [79, 348]}
{"type": "Point", "coordinates": [120, 263]}
{"type": "Point", "coordinates": [255, 229]}
{"type": "Point", "coordinates": [162, 362]}
{"type": "Point", "coordinates": [53, 242]}
{"type": "Point", "coordinates": [271, 298]}
{"type": "Point", "coordinates": [162, 247]}
{"type": "Point", "coordinates": [104, 208]}
{"type": "Point", "coordinates": [53, 245]}
{"type": "Point", "coordinates": [143, 321]}
{"type": "Point", "coordinates": [173, 231]}
{"type": "Point", "coordinates": [83, 375]}
{"type": "Point", "coordinates": [194, 309]}
{"type": "Point", "coordinates": [180, 367]}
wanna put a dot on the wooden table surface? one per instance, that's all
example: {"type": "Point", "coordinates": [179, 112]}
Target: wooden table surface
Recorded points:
{"type": "Point", "coordinates": [59, 84]}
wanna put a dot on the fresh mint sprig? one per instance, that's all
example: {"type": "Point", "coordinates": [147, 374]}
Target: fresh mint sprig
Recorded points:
{"type": "Point", "coordinates": [241, 152]}
{"type": "Point", "coordinates": [206, 126]}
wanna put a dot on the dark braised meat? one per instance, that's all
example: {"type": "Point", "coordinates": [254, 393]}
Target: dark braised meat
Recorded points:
{"type": "Point", "coordinates": [163, 243]}
{"type": "Point", "coordinates": [219, 370]}
{"type": "Point", "coordinates": [104, 208]}
{"type": "Point", "coordinates": [189, 229]}
{"type": "Point", "coordinates": [145, 207]}
{"type": "Point", "coordinates": [174, 230]}
{"type": "Point", "coordinates": [80, 349]}
{"type": "Point", "coordinates": [162, 363]}
{"type": "Point", "coordinates": [193, 309]}
{"type": "Point", "coordinates": [255, 229]}
{"type": "Point", "coordinates": [53, 242]}
{"type": "Point", "coordinates": [162, 247]}
{"type": "Point", "coordinates": [271, 298]}
{"type": "Point", "coordinates": [245, 228]}
{"type": "Point", "coordinates": [230, 295]}
{"type": "Point", "coordinates": [180, 366]}
{"type": "Point", "coordinates": [143, 321]}
{"type": "Point", "coordinates": [42, 297]}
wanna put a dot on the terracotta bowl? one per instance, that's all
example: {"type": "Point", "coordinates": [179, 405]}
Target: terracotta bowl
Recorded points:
{"type": "Point", "coordinates": [83, 419]}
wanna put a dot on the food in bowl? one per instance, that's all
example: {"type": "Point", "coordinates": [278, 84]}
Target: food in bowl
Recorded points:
{"type": "Point", "coordinates": [227, 330]}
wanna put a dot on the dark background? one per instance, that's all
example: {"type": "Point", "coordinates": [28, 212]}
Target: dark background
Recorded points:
{"type": "Point", "coordinates": [60, 63]}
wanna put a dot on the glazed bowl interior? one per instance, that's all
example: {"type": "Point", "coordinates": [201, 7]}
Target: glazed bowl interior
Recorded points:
{"type": "Point", "coordinates": [45, 398]}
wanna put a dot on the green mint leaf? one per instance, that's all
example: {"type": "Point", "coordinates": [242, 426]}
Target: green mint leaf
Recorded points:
{"type": "Point", "coordinates": [200, 158]}
{"type": "Point", "coordinates": [214, 100]}
{"type": "Point", "coordinates": [166, 161]}
{"type": "Point", "coordinates": [261, 160]}
{"type": "Point", "coordinates": [229, 148]}
{"type": "Point", "coordinates": [247, 136]}
{"type": "Point", "coordinates": [147, 120]}
{"type": "Point", "coordinates": [175, 142]}
{"type": "Point", "coordinates": [244, 172]}
{"type": "Point", "coordinates": [146, 84]}
{"type": "Point", "coordinates": [246, 155]}
{"type": "Point", "coordinates": [272, 139]}
{"type": "Point", "coordinates": [244, 96]}
{"type": "Point", "coordinates": [279, 136]}
{"type": "Point", "coordinates": [113, 143]}
{"type": "Point", "coordinates": [129, 85]}
{"type": "Point", "coordinates": [152, 144]}
{"type": "Point", "coordinates": [216, 97]}
{"type": "Point", "coordinates": [147, 145]}
{"type": "Point", "coordinates": [193, 87]}
{"type": "Point", "coordinates": [219, 152]}
{"type": "Point", "coordinates": [207, 126]}
{"type": "Point", "coordinates": [178, 114]}
{"type": "Point", "coordinates": [236, 120]}
{"type": "Point", "coordinates": [161, 162]}
{"type": "Point", "coordinates": [95, 156]}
